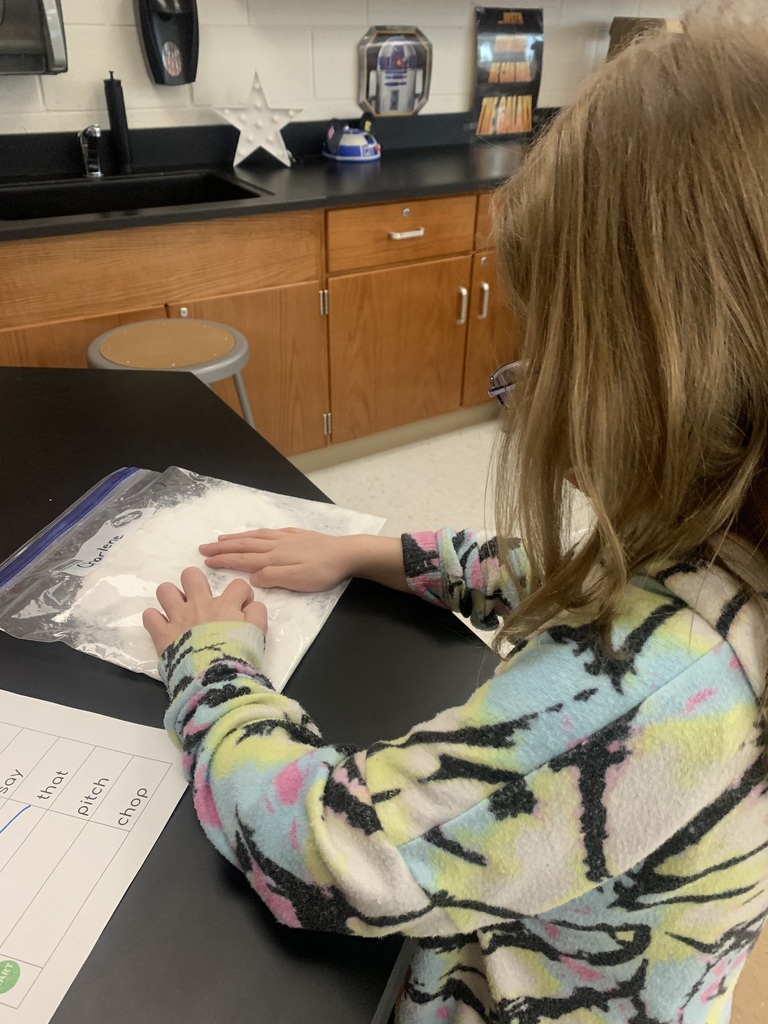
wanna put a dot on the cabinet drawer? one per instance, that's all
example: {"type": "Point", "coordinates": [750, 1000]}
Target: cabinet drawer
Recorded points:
{"type": "Point", "coordinates": [371, 236]}
{"type": "Point", "coordinates": [71, 276]}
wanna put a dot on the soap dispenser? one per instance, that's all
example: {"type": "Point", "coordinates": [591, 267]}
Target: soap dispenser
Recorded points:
{"type": "Point", "coordinates": [169, 34]}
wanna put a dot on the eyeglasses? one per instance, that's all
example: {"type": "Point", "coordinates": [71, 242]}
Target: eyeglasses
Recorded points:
{"type": "Point", "coordinates": [503, 383]}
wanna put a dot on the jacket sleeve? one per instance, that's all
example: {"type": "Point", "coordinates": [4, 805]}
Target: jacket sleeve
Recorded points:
{"type": "Point", "coordinates": [491, 810]}
{"type": "Point", "coordinates": [461, 570]}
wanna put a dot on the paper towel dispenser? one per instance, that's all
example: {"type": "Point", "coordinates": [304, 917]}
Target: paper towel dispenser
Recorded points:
{"type": "Point", "coordinates": [169, 34]}
{"type": "Point", "coordinates": [32, 38]}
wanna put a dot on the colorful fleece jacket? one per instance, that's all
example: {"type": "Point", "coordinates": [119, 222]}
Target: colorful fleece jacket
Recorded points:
{"type": "Point", "coordinates": [585, 840]}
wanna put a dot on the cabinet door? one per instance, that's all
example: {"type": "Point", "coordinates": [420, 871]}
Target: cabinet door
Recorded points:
{"type": "Point", "coordinates": [396, 345]}
{"type": "Point", "coordinates": [493, 330]}
{"type": "Point", "coordinates": [65, 342]}
{"type": "Point", "coordinates": [286, 376]}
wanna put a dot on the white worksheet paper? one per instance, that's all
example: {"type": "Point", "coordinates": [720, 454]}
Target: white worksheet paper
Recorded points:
{"type": "Point", "coordinates": [83, 798]}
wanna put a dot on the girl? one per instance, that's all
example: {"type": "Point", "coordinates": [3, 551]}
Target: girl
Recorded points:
{"type": "Point", "coordinates": [586, 839]}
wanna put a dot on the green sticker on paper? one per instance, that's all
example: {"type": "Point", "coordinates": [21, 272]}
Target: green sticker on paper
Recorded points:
{"type": "Point", "coordinates": [9, 975]}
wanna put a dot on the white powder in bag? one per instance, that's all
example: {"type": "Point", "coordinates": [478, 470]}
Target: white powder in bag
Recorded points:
{"type": "Point", "coordinates": [105, 615]}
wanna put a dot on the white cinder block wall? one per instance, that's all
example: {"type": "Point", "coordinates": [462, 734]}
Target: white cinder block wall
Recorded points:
{"type": "Point", "coordinates": [304, 50]}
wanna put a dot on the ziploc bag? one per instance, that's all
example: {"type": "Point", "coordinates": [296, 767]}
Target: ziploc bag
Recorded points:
{"type": "Point", "coordinates": [87, 577]}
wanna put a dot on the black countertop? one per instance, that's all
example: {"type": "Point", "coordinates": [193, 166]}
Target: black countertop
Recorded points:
{"type": "Point", "coordinates": [413, 173]}
{"type": "Point", "coordinates": [189, 941]}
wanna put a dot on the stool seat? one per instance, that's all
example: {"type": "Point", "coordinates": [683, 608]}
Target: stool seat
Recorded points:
{"type": "Point", "coordinates": [208, 349]}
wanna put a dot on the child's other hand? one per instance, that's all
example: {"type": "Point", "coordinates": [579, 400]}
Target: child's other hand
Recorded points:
{"type": "Point", "coordinates": [194, 605]}
{"type": "Point", "coordinates": [301, 560]}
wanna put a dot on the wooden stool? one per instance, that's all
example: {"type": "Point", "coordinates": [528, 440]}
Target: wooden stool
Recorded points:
{"type": "Point", "coordinates": [209, 350]}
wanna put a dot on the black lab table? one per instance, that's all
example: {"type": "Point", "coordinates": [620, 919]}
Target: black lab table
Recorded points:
{"type": "Point", "coordinates": [190, 942]}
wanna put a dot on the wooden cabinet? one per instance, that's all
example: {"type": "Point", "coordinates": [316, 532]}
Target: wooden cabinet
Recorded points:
{"type": "Point", "coordinates": [64, 342]}
{"type": "Point", "coordinates": [73, 276]}
{"type": "Point", "coordinates": [493, 330]}
{"type": "Point", "coordinates": [396, 345]}
{"type": "Point", "coordinates": [390, 233]}
{"type": "Point", "coordinates": [380, 315]}
{"type": "Point", "coordinates": [397, 332]}
{"type": "Point", "coordinates": [261, 275]}
{"type": "Point", "coordinates": [287, 375]}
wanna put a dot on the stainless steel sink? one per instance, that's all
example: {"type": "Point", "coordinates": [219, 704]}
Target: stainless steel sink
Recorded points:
{"type": "Point", "coordinates": [121, 194]}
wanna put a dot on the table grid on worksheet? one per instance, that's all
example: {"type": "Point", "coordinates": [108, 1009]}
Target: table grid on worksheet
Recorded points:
{"type": "Point", "coordinates": [66, 807]}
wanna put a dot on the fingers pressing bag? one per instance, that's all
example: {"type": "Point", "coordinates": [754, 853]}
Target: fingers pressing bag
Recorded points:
{"type": "Point", "coordinates": [87, 577]}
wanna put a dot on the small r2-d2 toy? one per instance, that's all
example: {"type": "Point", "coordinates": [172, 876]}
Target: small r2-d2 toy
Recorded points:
{"type": "Point", "coordinates": [395, 69]}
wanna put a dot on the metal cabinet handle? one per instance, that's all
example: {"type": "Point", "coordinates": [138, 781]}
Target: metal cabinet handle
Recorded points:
{"type": "Point", "coordinates": [398, 236]}
{"type": "Point", "coordinates": [464, 304]}
{"type": "Point", "coordinates": [485, 288]}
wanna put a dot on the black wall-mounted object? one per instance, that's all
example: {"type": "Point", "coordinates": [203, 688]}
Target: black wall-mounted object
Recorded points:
{"type": "Point", "coordinates": [170, 38]}
{"type": "Point", "coordinates": [118, 123]}
{"type": "Point", "coordinates": [32, 38]}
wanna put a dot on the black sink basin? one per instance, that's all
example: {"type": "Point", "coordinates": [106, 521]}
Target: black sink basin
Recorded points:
{"type": "Point", "coordinates": [121, 194]}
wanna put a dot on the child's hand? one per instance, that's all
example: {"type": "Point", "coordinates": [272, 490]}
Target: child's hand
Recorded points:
{"type": "Point", "coordinates": [301, 560]}
{"type": "Point", "coordinates": [194, 605]}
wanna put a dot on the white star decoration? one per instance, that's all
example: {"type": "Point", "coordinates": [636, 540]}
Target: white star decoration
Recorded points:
{"type": "Point", "coordinates": [259, 126]}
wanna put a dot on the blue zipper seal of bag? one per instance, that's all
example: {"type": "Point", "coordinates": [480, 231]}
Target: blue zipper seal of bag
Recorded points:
{"type": "Point", "coordinates": [27, 554]}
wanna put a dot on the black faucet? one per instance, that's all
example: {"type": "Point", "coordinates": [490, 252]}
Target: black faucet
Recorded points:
{"type": "Point", "coordinates": [90, 143]}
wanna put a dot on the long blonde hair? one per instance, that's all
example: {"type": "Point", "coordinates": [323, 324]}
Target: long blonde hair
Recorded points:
{"type": "Point", "coordinates": [634, 246]}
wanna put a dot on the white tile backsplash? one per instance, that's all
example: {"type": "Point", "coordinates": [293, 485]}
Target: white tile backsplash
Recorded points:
{"type": "Point", "coordinates": [285, 69]}
{"type": "Point", "coordinates": [94, 51]}
{"type": "Point", "coordinates": [453, 13]}
{"type": "Point", "coordinates": [659, 9]}
{"type": "Point", "coordinates": [116, 12]}
{"type": "Point", "coordinates": [225, 67]}
{"type": "Point", "coordinates": [334, 54]}
{"type": "Point", "coordinates": [21, 93]}
{"type": "Point", "coordinates": [453, 64]}
{"type": "Point", "coordinates": [222, 12]}
{"type": "Point", "coordinates": [305, 52]}
{"type": "Point", "coordinates": [306, 13]}
{"type": "Point", "coordinates": [83, 12]}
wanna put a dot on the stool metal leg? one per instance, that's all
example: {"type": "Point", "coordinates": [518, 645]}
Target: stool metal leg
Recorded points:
{"type": "Point", "coordinates": [245, 405]}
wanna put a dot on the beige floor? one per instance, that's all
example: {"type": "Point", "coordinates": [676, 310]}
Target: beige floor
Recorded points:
{"type": "Point", "coordinates": [442, 481]}
{"type": "Point", "coordinates": [423, 485]}
{"type": "Point", "coordinates": [750, 1001]}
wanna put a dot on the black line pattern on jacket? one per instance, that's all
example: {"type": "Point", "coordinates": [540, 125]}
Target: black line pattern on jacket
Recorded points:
{"type": "Point", "coordinates": [499, 735]}
{"type": "Point", "coordinates": [730, 611]}
{"type": "Point", "coordinates": [630, 941]}
{"type": "Point", "coordinates": [587, 638]}
{"type": "Point", "coordinates": [533, 1010]}
{"type": "Point", "coordinates": [685, 567]}
{"type": "Point", "coordinates": [418, 561]}
{"type": "Point", "coordinates": [436, 837]}
{"type": "Point", "coordinates": [452, 988]}
{"type": "Point", "coordinates": [360, 815]}
{"type": "Point", "coordinates": [735, 941]}
{"type": "Point", "coordinates": [266, 726]}
{"type": "Point", "coordinates": [323, 908]}
{"type": "Point", "coordinates": [592, 758]}
{"type": "Point", "coordinates": [646, 880]}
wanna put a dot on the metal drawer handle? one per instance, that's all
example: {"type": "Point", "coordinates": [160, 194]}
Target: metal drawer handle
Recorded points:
{"type": "Point", "coordinates": [398, 236]}
{"type": "Point", "coordinates": [486, 290]}
{"type": "Point", "coordinates": [464, 303]}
